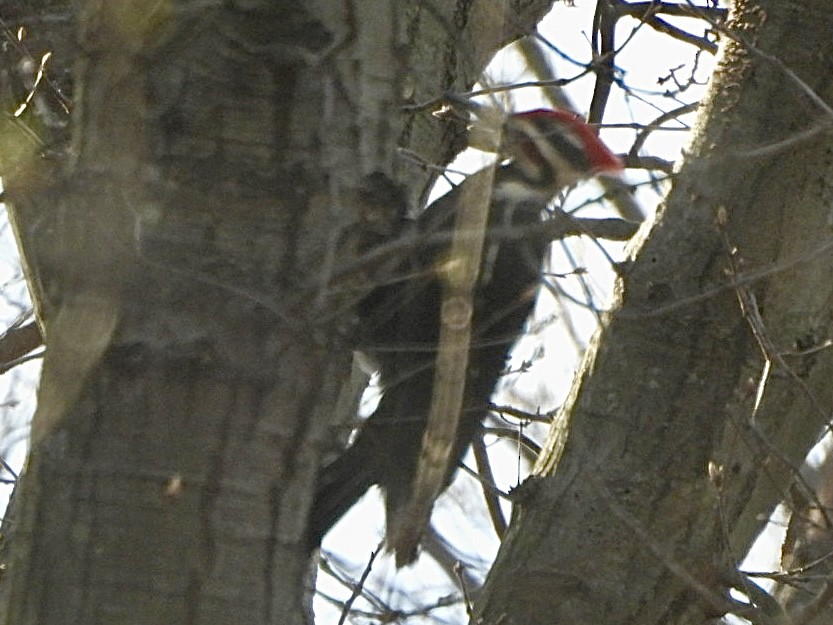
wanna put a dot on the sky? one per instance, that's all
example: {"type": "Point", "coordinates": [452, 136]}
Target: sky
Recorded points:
{"type": "Point", "coordinates": [647, 58]}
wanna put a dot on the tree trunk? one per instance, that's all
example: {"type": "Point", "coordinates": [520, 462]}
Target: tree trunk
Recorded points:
{"type": "Point", "coordinates": [663, 465]}
{"type": "Point", "coordinates": [185, 248]}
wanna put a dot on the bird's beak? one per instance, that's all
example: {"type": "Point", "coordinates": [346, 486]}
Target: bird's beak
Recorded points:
{"type": "Point", "coordinates": [487, 125]}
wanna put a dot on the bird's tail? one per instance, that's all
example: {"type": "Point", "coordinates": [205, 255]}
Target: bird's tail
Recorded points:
{"type": "Point", "coordinates": [340, 484]}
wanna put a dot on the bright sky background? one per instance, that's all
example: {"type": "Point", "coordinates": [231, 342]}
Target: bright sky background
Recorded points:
{"type": "Point", "coordinates": [646, 58]}
{"type": "Point", "coordinates": [18, 386]}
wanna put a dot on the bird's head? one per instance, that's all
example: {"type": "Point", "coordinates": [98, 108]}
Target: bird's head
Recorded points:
{"type": "Point", "coordinates": [547, 149]}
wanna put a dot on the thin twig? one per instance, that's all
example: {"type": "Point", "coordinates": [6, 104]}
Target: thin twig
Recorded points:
{"type": "Point", "coordinates": [359, 585]}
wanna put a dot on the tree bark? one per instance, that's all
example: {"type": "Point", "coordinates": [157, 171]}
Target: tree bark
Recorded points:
{"type": "Point", "coordinates": [661, 468]}
{"type": "Point", "coordinates": [184, 250]}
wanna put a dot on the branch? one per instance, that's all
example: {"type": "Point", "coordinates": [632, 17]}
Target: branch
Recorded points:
{"type": "Point", "coordinates": [16, 342]}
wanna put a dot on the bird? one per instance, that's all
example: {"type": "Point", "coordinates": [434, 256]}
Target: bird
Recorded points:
{"type": "Point", "coordinates": [542, 151]}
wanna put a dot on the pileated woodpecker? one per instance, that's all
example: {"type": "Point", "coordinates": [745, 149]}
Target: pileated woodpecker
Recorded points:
{"type": "Point", "coordinates": [545, 152]}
